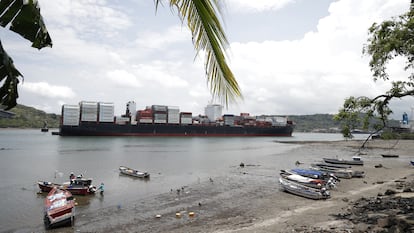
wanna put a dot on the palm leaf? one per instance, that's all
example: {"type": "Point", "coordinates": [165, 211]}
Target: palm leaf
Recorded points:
{"type": "Point", "coordinates": [208, 35]}
{"type": "Point", "coordinates": [24, 18]}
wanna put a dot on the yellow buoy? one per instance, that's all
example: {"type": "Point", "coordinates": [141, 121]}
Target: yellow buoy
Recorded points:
{"type": "Point", "coordinates": [191, 214]}
{"type": "Point", "coordinates": [178, 215]}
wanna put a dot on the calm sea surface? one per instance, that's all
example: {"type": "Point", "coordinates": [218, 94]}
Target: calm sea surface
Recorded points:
{"type": "Point", "coordinates": [29, 155]}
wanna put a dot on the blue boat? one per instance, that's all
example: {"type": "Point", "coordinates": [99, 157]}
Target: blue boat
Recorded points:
{"type": "Point", "coordinates": [309, 173]}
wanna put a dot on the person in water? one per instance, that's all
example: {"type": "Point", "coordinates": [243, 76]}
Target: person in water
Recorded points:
{"type": "Point", "coordinates": [101, 188]}
{"type": "Point", "coordinates": [71, 177]}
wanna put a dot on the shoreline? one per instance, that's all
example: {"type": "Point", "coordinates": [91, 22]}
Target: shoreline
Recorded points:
{"type": "Point", "coordinates": [249, 200]}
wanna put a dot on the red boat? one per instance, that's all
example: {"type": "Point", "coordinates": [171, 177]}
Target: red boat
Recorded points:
{"type": "Point", "coordinates": [78, 186]}
{"type": "Point", "coordinates": [59, 208]}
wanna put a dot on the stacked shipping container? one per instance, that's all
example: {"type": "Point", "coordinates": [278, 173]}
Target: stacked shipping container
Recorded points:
{"type": "Point", "coordinates": [70, 115]}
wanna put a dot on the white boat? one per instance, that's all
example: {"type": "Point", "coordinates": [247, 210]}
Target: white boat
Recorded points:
{"type": "Point", "coordinates": [302, 190]}
{"type": "Point", "coordinates": [310, 182]}
{"type": "Point", "coordinates": [132, 172]}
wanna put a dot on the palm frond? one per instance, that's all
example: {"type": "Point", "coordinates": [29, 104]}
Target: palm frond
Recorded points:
{"type": "Point", "coordinates": [208, 35]}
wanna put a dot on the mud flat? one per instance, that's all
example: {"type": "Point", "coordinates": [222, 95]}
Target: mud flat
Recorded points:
{"type": "Point", "coordinates": [248, 199]}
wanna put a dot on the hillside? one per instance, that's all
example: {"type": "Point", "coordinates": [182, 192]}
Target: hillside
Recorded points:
{"type": "Point", "coordinates": [315, 123]}
{"type": "Point", "coordinates": [28, 117]}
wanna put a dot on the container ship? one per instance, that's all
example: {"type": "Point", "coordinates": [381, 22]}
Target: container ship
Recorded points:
{"type": "Point", "coordinates": [98, 119]}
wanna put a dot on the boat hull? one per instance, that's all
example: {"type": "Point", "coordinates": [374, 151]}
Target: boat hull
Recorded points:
{"type": "Point", "coordinates": [75, 190]}
{"type": "Point", "coordinates": [344, 162]}
{"type": "Point", "coordinates": [303, 191]}
{"type": "Point", "coordinates": [110, 129]}
{"type": "Point", "coordinates": [59, 208]}
{"type": "Point", "coordinates": [132, 172]}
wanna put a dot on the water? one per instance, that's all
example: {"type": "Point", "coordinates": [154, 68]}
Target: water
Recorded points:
{"type": "Point", "coordinates": [29, 155]}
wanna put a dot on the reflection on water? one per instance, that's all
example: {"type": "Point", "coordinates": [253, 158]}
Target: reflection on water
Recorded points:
{"type": "Point", "coordinates": [29, 155]}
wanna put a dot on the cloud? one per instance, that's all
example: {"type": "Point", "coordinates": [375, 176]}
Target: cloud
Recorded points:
{"type": "Point", "coordinates": [157, 40]}
{"type": "Point", "coordinates": [161, 73]}
{"type": "Point", "coordinates": [89, 18]}
{"type": "Point", "coordinates": [45, 89]}
{"type": "Point", "coordinates": [123, 78]}
{"type": "Point", "coordinates": [257, 5]}
{"type": "Point", "coordinates": [317, 72]}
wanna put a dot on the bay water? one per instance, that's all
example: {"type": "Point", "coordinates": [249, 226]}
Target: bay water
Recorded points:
{"type": "Point", "coordinates": [28, 156]}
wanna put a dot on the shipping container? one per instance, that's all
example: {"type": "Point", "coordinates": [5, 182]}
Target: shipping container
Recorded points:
{"type": "Point", "coordinates": [106, 112]}
{"type": "Point", "coordinates": [119, 120]}
{"type": "Point", "coordinates": [173, 115]}
{"type": "Point", "coordinates": [228, 119]}
{"type": "Point", "coordinates": [88, 111]}
{"type": "Point", "coordinates": [70, 115]}
{"type": "Point", "coordinates": [159, 108]}
{"type": "Point", "coordinates": [160, 121]}
{"type": "Point", "coordinates": [145, 121]}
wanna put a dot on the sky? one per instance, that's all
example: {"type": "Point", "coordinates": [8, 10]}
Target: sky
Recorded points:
{"type": "Point", "coordinates": [290, 57]}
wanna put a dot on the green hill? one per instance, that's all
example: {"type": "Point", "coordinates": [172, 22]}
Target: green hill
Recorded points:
{"type": "Point", "coordinates": [315, 123]}
{"type": "Point", "coordinates": [28, 117]}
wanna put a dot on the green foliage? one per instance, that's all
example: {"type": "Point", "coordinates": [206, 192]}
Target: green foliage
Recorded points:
{"type": "Point", "coordinates": [390, 39]}
{"type": "Point", "coordinates": [24, 18]}
{"type": "Point", "coordinates": [28, 117]}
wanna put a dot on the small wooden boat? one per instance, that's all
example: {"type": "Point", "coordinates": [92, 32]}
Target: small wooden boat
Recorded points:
{"type": "Point", "coordinates": [390, 155]}
{"type": "Point", "coordinates": [132, 172]}
{"type": "Point", "coordinates": [302, 190]}
{"type": "Point", "coordinates": [78, 186]}
{"type": "Point", "coordinates": [59, 208]}
{"type": "Point", "coordinates": [355, 161]}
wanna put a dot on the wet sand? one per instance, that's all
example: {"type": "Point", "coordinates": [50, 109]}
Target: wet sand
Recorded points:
{"type": "Point", "coordinates": [248, 199]}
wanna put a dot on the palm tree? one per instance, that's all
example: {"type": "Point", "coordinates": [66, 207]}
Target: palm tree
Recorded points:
{"type": "Point", "coordinates": [202, 17]}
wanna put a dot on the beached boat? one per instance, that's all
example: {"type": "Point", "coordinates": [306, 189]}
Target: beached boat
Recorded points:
{"type": "Point", "coordinates": [59, 208]}
{"type": "Point", "coordinates": [329, 178]}
{"type": "Point", "coordinates": [338, 172]}
{"type": "Point", "coordinates": [306, 172]}
{"type": "Point", "coordinates": [355, 161]}
{"type": "Point", "coordinates": [310, 182]}
{"type": "Point", "coordinates": [302, 190]}
{"type": "Point", "coordinates": [132, 172]}
{"type": "Point", "coordinates": [78, 186]}
{"type": "Point", "coordinates": [332, 165]}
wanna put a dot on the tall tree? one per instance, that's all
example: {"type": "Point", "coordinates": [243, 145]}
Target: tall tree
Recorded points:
{"type": "Point", "coordinates": [388, 40]}
{"type": "Point", "coordinates": [202, 18]}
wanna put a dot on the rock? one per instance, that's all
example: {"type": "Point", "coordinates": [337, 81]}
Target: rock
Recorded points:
{"type": "Point", "coordinates": [390, 192]}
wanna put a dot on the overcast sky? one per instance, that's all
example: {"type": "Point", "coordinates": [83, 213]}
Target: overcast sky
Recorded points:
{"type": "Point", "coordinates": [290, 57]}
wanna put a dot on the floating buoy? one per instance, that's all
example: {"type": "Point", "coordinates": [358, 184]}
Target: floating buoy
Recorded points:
{"type": "Point", "coordinates": [158, 216]}
{"type": "Point", "coordinates": [178, 215]}
{"type": "Point", "coordinates": [191, 214]}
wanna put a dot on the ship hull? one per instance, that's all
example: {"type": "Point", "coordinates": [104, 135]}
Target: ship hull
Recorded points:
{"type": "Point", "coordinates": [167, 130]}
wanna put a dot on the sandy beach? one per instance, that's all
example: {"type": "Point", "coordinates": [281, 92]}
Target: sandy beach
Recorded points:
{"type": "Point", "coordinates": [248, 198]}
